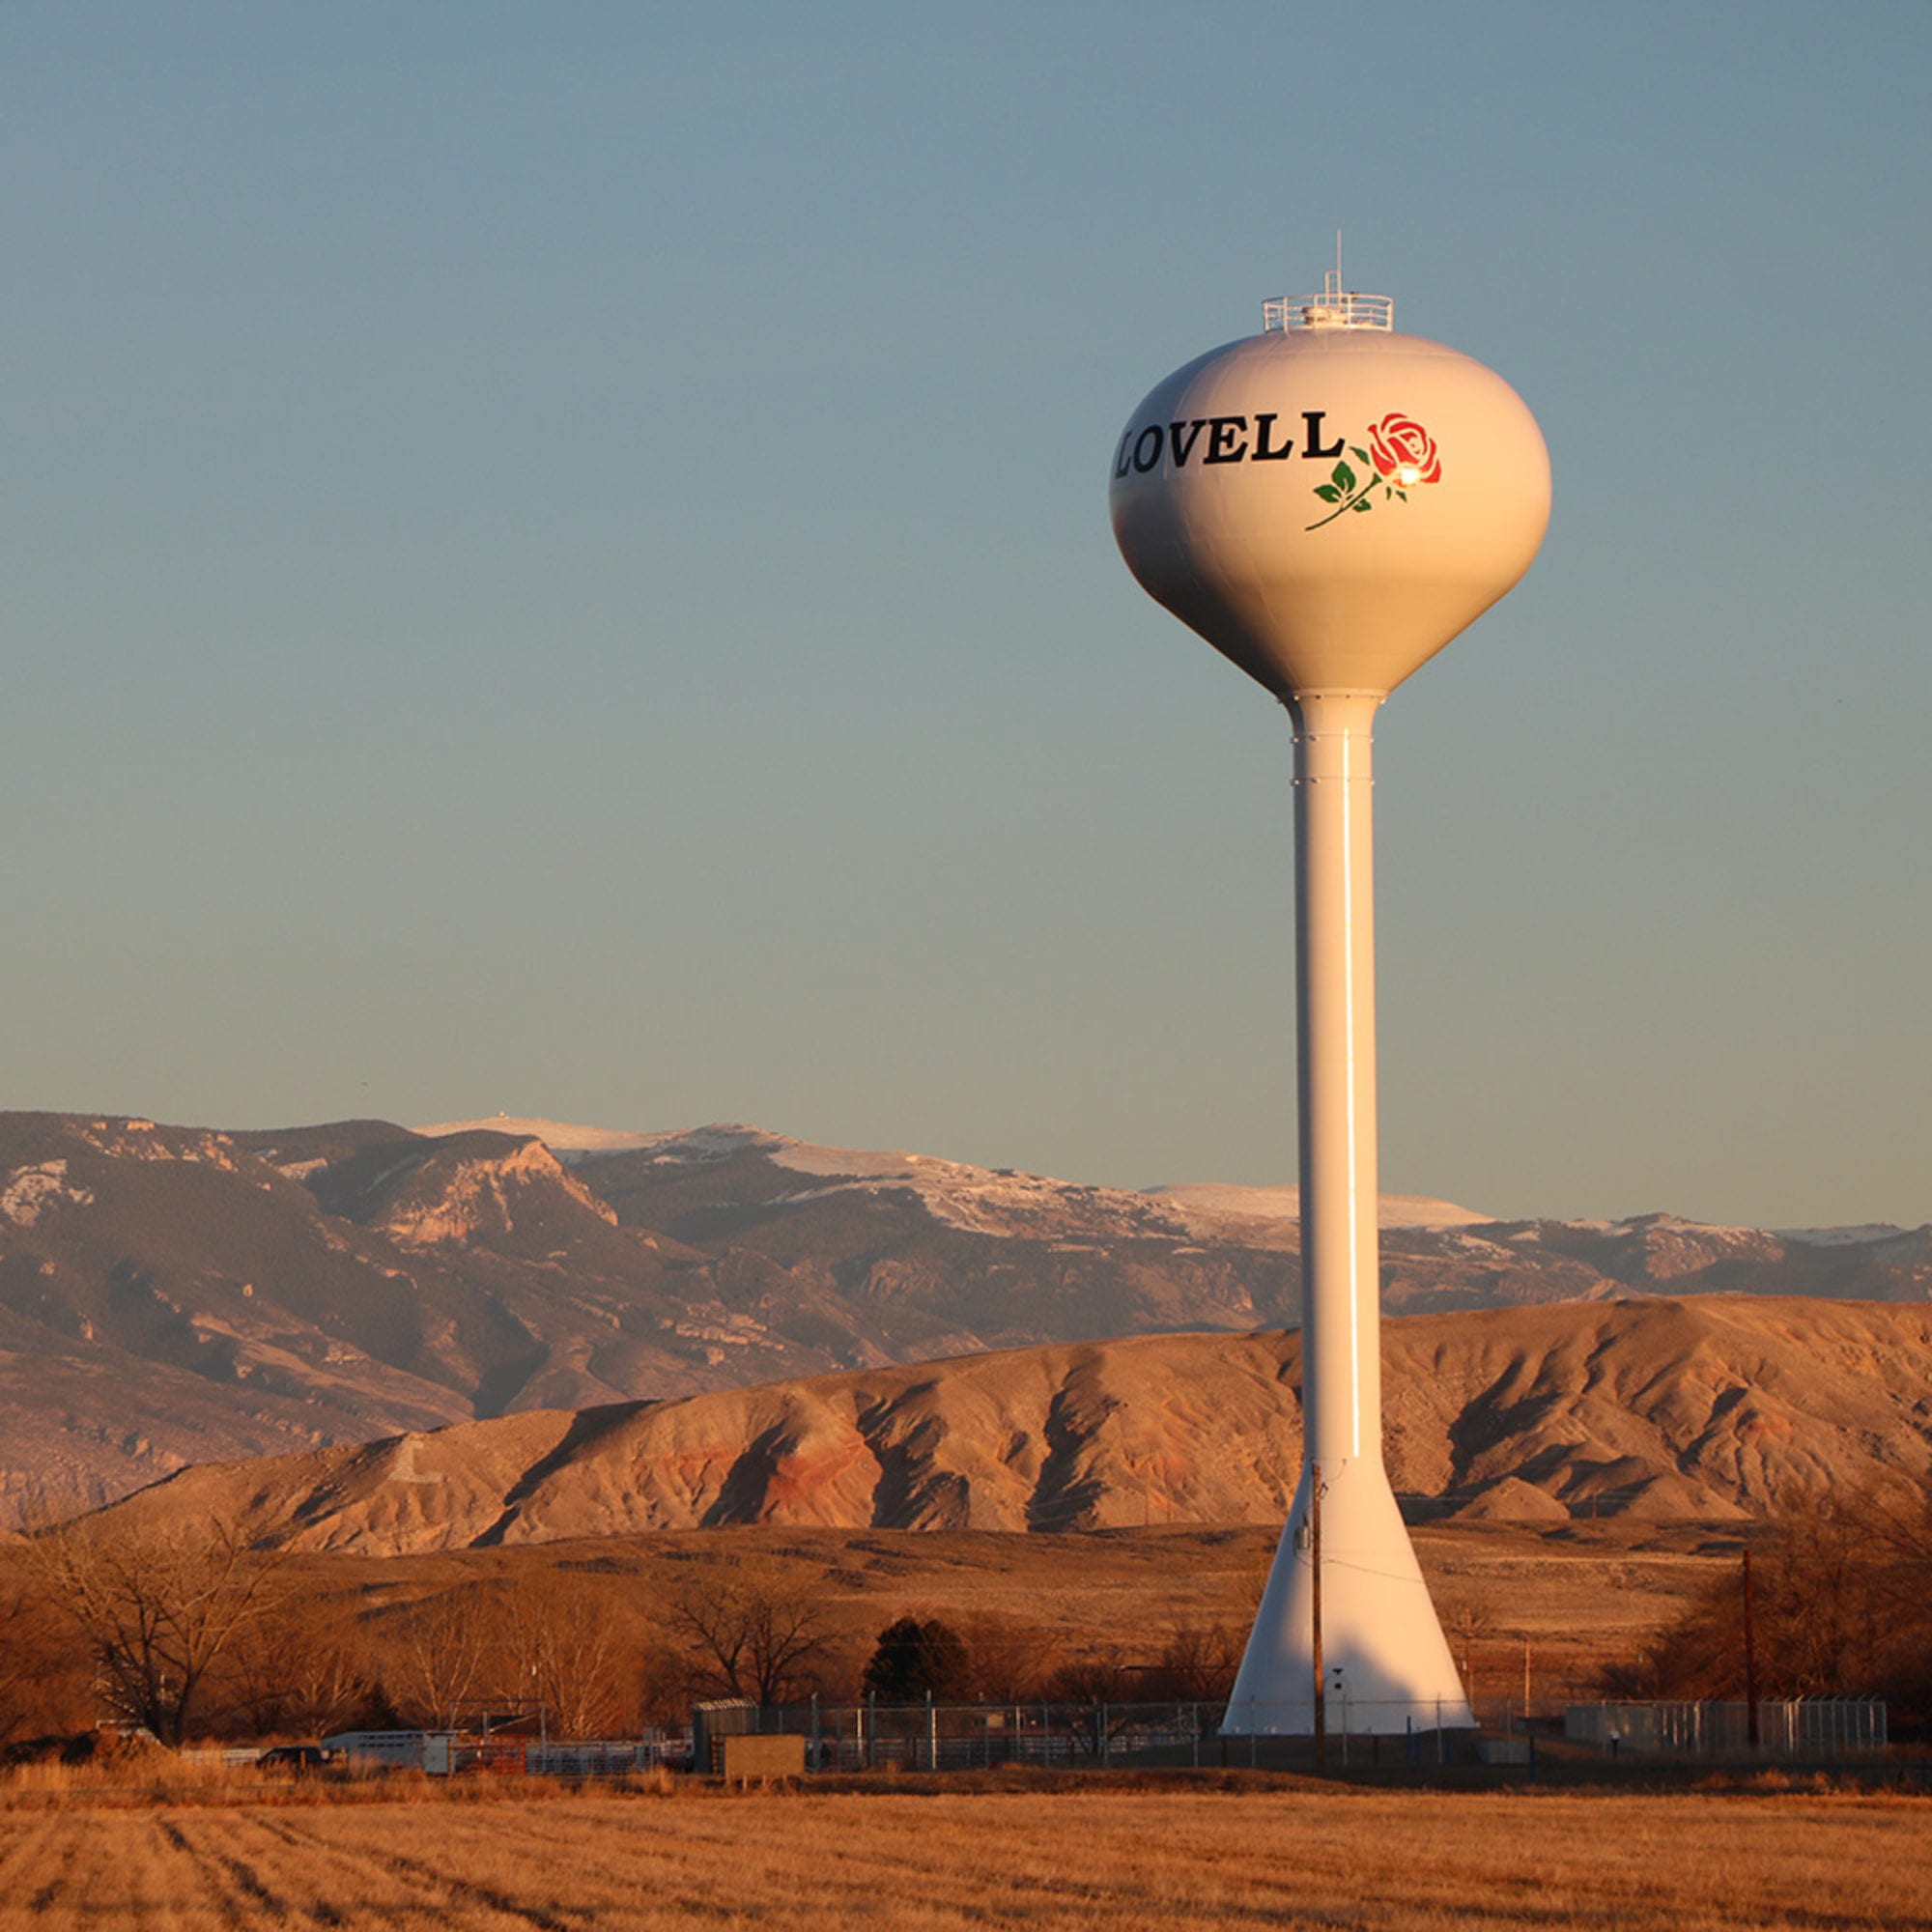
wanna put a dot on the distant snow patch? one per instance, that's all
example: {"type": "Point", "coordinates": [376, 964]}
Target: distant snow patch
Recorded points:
{"type": "Point", "coordinates": [1284, 1203]}
{"type": "Point", "coordinates": [559, 1136]}
{"type": "Point", "coordinates": [1677, 1223]}
{"type": "Point", "coordinates": [31, 1190]}
{"type": "Point", "coordinates": [865, 1164]}
{"type": "Point", "coordinates": [1839, 1237]}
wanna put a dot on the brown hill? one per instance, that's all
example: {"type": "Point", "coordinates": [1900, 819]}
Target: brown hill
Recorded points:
{"type": "Point", "coordinates": [1661, 1411]}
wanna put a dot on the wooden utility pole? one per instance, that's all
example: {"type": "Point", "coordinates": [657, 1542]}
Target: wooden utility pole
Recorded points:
{"type": "Point", "coordinates": [1751, 1659]}
{"type": "Point", "coordinates": [1315, 1603]}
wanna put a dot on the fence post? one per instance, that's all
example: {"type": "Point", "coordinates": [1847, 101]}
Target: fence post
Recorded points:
{"type": "Point", "coordinates": [872, 1727]}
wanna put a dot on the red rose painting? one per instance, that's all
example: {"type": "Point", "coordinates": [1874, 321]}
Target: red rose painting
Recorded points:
{"type": "Point", "coordinates": [1400, 455]}
{"type": "Point", "coordinates": [1400, 447]}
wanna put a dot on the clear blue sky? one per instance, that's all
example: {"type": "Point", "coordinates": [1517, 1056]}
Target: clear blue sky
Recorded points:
{"type": "Point", "coordinates": [555, 560]}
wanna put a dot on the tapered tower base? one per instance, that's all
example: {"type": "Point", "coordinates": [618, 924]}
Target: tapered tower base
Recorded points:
{"type": "Point", "coordinates": [1386, 1665]}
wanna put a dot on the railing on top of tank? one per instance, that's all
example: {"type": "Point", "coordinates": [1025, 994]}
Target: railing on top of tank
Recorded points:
{"type": "Point", "coordinates": [1334, 309]}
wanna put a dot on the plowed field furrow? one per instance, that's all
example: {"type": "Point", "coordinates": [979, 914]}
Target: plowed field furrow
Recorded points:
{"type": "Point", "coordinates": [37, 1868]}
{"type": "Point", "coordinates": [610, 1865]}
{"type": "Point", "coordinates": [356, 1878]}
{"type": "Point", "coordinates": [524, 1880]}
{"type": "Point", "coordinates": [211, 1882]}
{"type": "Point", "coordinates": [622, 1866]}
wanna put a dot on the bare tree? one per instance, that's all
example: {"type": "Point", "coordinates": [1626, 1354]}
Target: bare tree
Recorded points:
{"type": "Point", "coordinates": [756, 1635]}
{"type": "Point", "coordinates": [438, 1659]}
{"type": "Point", "coordinates": [297, 1679]}
{"type": "Point", "coordinates": [1198, 1663]}
{"type": "Point", "coordinates": [1842, 1601]}
{"type": "Point", "coordinates": [564, 1647]}
{"type": "Point", "coordinates": [24, 1650]}
{"type": "Point", "coordinates": [1010, 1660]}
{"type": "Point", "coordinates": [157, 1609]}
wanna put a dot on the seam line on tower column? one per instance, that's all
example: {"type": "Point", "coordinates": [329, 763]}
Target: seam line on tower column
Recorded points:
{"type": "Point", "coordinates": [1349, 1053]}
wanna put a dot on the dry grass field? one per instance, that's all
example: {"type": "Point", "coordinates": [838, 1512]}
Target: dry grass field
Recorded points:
{"type": "Point", "coordinates": [1584, 1594]}
{"type": "Point", "coordinates": [930, 1859]}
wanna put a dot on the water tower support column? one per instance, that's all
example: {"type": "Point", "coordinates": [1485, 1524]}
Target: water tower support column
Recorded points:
{"type": "Point", "coordinates": [1379, 1641]}
{"type": "Point", "coordinates": [1335, 1015]}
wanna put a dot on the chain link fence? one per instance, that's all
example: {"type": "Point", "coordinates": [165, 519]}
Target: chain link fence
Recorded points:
{"type": "Point", "coordinates": [960, 1737]}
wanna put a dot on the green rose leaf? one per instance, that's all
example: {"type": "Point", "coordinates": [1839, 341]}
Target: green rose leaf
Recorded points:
{"type": "Point", "coordinates": [1364, 504]}
{"type": "Point", "coordinates": [1360, 455]}
{"type": "Point", "coordinates": [1328, 493]}
{"type": "Point", "coordinates": [1342, 475]}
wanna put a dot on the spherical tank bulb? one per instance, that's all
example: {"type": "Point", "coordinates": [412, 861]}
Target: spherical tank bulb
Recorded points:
{"type": "Point", "coordinates": [1330, 502]}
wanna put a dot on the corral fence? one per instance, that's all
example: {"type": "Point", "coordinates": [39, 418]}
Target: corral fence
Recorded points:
{"type": "Point", "coordinates": [1798, 1727]}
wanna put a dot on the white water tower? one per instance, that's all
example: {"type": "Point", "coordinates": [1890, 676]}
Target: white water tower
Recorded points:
{"type": "Point", "coordinates": [1328, 503]}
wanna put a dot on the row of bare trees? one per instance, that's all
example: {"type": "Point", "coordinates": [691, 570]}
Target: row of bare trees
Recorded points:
{"type": "Point", "coordinates": [188, 1629]}
{"type": "Point", "coordinates": [1839, 1604]}
{"type": "Point", "coordinates": [190, 1632]}
{"type": "Point", "coordinates": [775, 1648]}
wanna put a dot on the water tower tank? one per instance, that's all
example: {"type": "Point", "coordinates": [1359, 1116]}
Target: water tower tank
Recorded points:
{"type": "Point", "coordinates": [1328, 502]}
